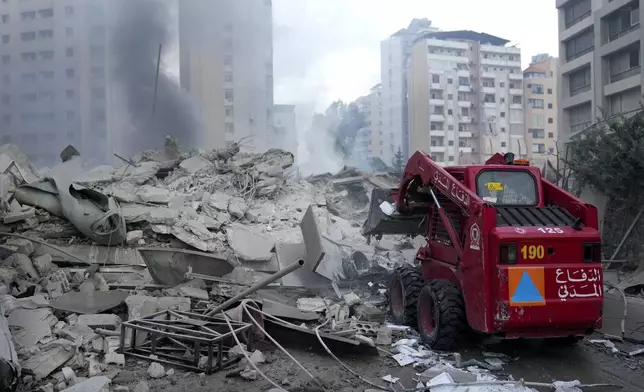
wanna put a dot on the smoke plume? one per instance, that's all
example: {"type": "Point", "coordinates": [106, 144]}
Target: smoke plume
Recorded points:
{"type": "Point", "coordinates": [142, 26]}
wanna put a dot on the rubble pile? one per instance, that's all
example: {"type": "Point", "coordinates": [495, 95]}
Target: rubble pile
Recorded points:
{"type": "Point", "coordinates": [149, 263]}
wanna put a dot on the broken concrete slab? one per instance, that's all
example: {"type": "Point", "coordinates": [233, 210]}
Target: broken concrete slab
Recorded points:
{"type": "Point", "coordinates": [31, 326]}
{"type": "Point", "coordinates": [24, 246]}
{"type": "Point", "coordinates": [93, 384]}
{"type": "Point", "coordinates": [237, 207]}
{"type": "Point", "coordinates": [151, 194]}
{"type": "Point", "coordinates": [24, 265]}
{"type": "Point", "coordinates": [219, 201]}
{"type": "Point", "coordinates": [8, 275]}
{"type": "Point", "coordinates": [195, 164]}
{"type": "Point", "coordinates": [193, 292]}
{"type": "Point", "coordinates": [89, 303]}
{"type": "Point", "coordinates": [168, 266]}
{"type": "Point", "coordinates": [249, 246]}
{"type": "Point", "coordinates": [43, 264]}
{"type": "Point", "coordinates": [133, 237]}
{"type": "Point", "coordinates": [19, 216]}
{"type": "Point", "coordinates": [51, 357]}
{"type": "Point", "coordinates": [93, 254]}
{"type": "Point", "coordinates": [301, 277]}
{"type": "Point", "coordinates": [105, 321]}
{"type": "Point", "coordinates": [156, 215]}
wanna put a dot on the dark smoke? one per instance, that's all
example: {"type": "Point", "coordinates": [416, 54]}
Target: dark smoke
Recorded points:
{"type": "Point", "coordinates": [141, 26]}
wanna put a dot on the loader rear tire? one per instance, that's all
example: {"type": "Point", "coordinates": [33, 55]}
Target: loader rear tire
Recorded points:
{"type": "Point", "coordinates": [404, 286]}
{"type": "Point", "coordinates": [441, 315]}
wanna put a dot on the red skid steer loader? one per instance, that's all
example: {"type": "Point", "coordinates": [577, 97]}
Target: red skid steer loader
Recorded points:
{"type": "Point", "coordinates": [507, 253]}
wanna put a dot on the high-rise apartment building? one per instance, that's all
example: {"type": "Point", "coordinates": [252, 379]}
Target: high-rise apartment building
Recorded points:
{"type": "Point", "coordinates": [394, 55]}
{"type": "Point", "coordinates": [53, 78]}
{"type": "Point", "coordinates": [369, 140]}
{"type": "Point", "coordinates": [465, 92]}
{"type": "Point", "coordinates": [600, 57]}
{"type": "Point", "coordinates": [540, 96]}
{"type": "Point", "coordinates": [226, 65]}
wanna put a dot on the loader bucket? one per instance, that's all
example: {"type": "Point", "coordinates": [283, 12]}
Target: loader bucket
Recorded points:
{"type": "Point", "coordinates": [378, 223]}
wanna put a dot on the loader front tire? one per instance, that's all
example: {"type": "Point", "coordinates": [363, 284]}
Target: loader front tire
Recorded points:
{"type": "Point", "coordinates": [404, 286]}
{"type": "Point", "coordinates": [441, 315]}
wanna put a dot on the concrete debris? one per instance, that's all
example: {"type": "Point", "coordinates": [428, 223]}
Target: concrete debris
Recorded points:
{"type": "Point", "coordinates": [156, 370]}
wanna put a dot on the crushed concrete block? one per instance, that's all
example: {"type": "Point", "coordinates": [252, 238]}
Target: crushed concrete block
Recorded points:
{"type": "Point", "coordinates": [383, 336]}
{"type": "Point", "coordinates": [219, 201]}
{"type": "Point", "coordinates": [193, 292]}
{"type": "Point", "coordinates": [105, 321]}
{"type": "Point", "coordinates": [369, 313]}
{"type": "Point", "coordinates": [351, 299]}
{"type": "Point", "coordinates": [311, 305]}
{"type": "Point", "coordinates": [132, 237]}
{"type": "Point", "coordinates": [169, 373]}
{"type": "Point", "coordinates": [196, 163]}
{"type": "Point", "coordinates": [114, 358]}
{"type": "Point", "coordinates": [95, 367]}
{"type": "Point", "coordinates": [24, 265]}
{"type": "Point", "coordinates": [111, 343]}
{"type": "Point", "coordinates": [93, 384]}
{"type": "Point", "coordinates": [19, 216]}
{"type": "Point", "coordinates": [248, 246]}
{"type": "Point", "coordinates": [156, 370]}
{"type": "Point", "coordinates": [142, 386]}
{"type": "Point", "coordinates": [51, 357]}
{"type": "Point", "coordinates": [237, 207]}
{"type": "Point", "coordinates": [97, 344]}
{"type": "Point", "coordinates": [25, 247]}
{"type": "Point", "coordinates": [61, 386]}
{"type": "Point", "coordinates": [54, 289]}
{"type": "Point", "coordinates": [69, 374]}
{"type": "Point", "coordinates": [151, 194]}
{"type": "Point", "coordinates": [43, 264]}
{"type": "Point", "coordinates": [8, 275]}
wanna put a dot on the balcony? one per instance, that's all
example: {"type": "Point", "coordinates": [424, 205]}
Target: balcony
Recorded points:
{"type": "Point", "coordinates": [488, 75]}
{"type": "Point", "coordinates": [516, 106]}
{"type": "Point", "coordinates": [437, 132]}
{"type": "Point", "coordinates": [579, 127]}
{"type": "Point", "coordinates": [463, 73]}
{"type": "Point", "coordinates": [465, 150]}
{"type": "Point", "coordinates": [579, 90]}
{"type": "Point", "coordinates": [436, 86]}
{"type": "Point", "coordinates": [464, 104]}
{"type": "Point", "coordinates": [516, 91]}
{"type": "Point", "coordinates": [433, 149]}
{"type": "Point", "coordinates": [516, 121]}
{"type": "Point", "coordinates": [489, 105]}
{"type": "Point", "coordinates": [465, 119]}
{"type": "Point", "coordinates": [465, 88]}
{"type": "Point", "coordinates": [436, 101]}
{"type": "Point", "coordinates": [437, 117]}
{"type": "Point", "coordinates": [489, 90]}
{"type": "Point", "coordinates": [616, 35]}
{"type": "Point", "coordinates": [625, 74]}
{"type": "Point", "coordinates": [465, 134]}
{"type": "Point", "coordinates": [515, 76]}
{"type": "Point", "coordinates": [574, 20]}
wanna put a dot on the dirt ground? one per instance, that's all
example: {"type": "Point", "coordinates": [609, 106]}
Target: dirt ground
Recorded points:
{"type": "Point", "coordinates": [535, 361]}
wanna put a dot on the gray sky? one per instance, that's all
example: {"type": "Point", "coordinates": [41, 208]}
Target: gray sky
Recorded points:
{"type": "Point", "coordinates": [330, 49]}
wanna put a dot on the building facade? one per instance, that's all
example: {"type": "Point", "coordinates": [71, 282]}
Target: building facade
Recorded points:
{"type": "Point", "coordinates": [540, 108]}
{"type": "Point", "coordinates": [600, 57]}
{"type": "Point", "coordinates": [226, 65]}
{"type": "Point", "coordinates": [369, 140]}
{"type": "Point", "coordinates": [465, 96]}
{"type": "Point", "coordinates": [54, 84]}
{"type": "Point", "coordinates": [394, 55]}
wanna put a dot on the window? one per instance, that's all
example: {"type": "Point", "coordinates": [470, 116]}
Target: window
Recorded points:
{"type": "Point", "coordinates": [489, 98]}
{"type": "Point", "coordinates": [537, 88]}
{"type": "Point", "coordinates": [46, 96]}
{"type": "Point", "coordinates": [550, 120]}
{"type": "Point", "coordinates": [5, 38]}
{"type": "Point", "coordinates": [69, 72]}
{"type": "Point", "coordinates": [230, 128]}
{"type": "Point", "coordinates": [5, 18]}
{"type": "Point", "coordinates": [450, 143]}
{"type": "Point", "coordinates": [465, 111]}
{"type": "Point", "coordinates": [539, 148]}
{"type": "Point", "coordinates": [27, 77]}
{"type": "Point", "coordinates": [28, 15]}
{"type": "Point", "coordinates": [463, 81]}
{"type": "Point", "coordinates": [229, 111]}
{"type": "Point", "coordinates": [502, 129]}
{"type": "Point", "coordinates": [502, 114]}
{"type": "Point", "coordinates": [228, 60]}
{"type": "Point", "coordinates": [450, 96]}
{"type": "Point", "coordinates": [516, 99]}
{"type": "Point", "coordinates": [69, 10]}
{"type": "Point", "coordinates": [502, 84]}
{"type": "Point", "coordinates": [98, 93]}
{"type": "Point", "coordinates": [538, 120]}
{"type": "Point", "coordinates": [579, 81]}
{"type": "Point", "coordinates": [70, 94]}
{"type": "Point", "coordinates": [47, 74]}
{"type": "Point", "coordinates": [439, 110]}
{"type": "Point", "coordinates": [28, 36]}
{"type": "Point", "coordinates": [551, 135]}
{"type": "Point", "coordinates": [228, 95]}
{"type": "Point", "coordinates": [576, 11]}
{"type": "Point", "coordinates": [46, 54]}
{"type": "Point", "coordinates": [537, 133]}
{"type": "Point", "coordinates": [228, 77]}
{"type": "Point", "coordinates": [46, 13]}
{"type": "Point", "coordinates": [449, 112]}
{"type": "Point", "coordinates": [550, 91]}
{"type": "Point", "coordinates": [503, 144]}
{"type": "Point", "coordinates": [436, 79]}
{"type": "Point", "coordinates": [28, 56]}
{"type": "Point", "coordinates": [45, 34]}
{"type": "Point", "coordinates": [535, 103]}
{"type": "Point", "coordinates": [451, 157]}
{"type": "Point", "coordinates": [450, 80]}
{"type": "Point", "coordinates": [502, 100]}
{"type": "Point", "coordinates": [98, 72]}
{"type": "Point", "coordinates": [518, 187]}
{"type": "Point", "coordinates": [70, 52]}
{"type": "Point", "coordinates": [462, 96]}
{"type": "Point", "coordinates": [97, 51]}
{"type": "Point", "coordinates": [549, 106]}
{"type": "Point", "coordinates": [580, 45]}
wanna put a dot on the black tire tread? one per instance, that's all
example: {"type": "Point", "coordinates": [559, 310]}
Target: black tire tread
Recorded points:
{"type": "Point", "coordinates": [452, 321]}
{"type": "Point", "coordinates": [412, 282]}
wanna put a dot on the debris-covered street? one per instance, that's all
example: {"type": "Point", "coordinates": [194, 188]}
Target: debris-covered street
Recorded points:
{"type": "Point", "coordinates": [116, 279]}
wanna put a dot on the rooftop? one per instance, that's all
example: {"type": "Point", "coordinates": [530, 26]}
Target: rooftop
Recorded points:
{"type": "Point", "coordinates": [465, 35]}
